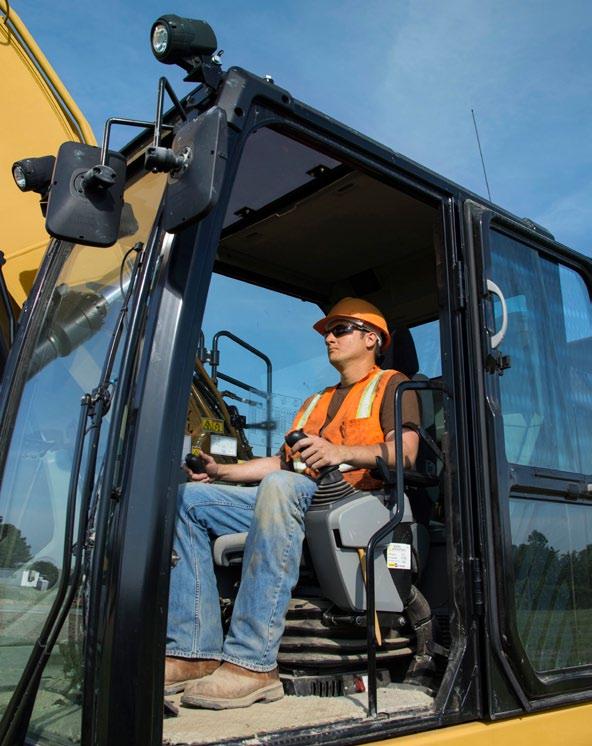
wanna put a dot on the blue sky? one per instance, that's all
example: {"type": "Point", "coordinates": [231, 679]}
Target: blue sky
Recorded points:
{"type": "Point", "coordinates": [406, 72]}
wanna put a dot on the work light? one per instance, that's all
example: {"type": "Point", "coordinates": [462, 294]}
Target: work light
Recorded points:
{"type": "Point", "coordinates": [20, 177]}
{"type": "Point", "coordinates": [182, 41]}
{"type": "Point", "coordinates": [160, 38]}
{"type": "Point", "coordinates": [33, 174]}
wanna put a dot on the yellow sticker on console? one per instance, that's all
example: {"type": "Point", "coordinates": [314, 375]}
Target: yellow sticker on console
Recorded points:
{"type": "Point", "coordinates": [210, 425]}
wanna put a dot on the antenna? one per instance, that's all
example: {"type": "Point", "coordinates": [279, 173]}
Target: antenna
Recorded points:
{"type": "Point", "coordinates": [481, 154]}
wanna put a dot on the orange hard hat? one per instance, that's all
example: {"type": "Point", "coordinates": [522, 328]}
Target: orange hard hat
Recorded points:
{"type": "Point", "coordinates": [357, 309]}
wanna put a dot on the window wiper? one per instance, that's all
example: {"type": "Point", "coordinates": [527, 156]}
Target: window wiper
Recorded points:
{"type": "Point", "coordinates": [94, 407]}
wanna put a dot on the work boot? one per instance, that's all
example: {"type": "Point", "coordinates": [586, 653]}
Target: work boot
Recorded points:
{"type": "Point", "coordinates": [233, 686]}
{"type": "Point", "coordinates": [178, 672]}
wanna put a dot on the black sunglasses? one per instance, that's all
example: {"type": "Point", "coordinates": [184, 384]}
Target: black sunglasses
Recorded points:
{"type": "Point", "coordinates": [345, 327]}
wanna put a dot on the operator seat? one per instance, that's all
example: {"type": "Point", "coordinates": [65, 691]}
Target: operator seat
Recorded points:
{"type": "Point", "coordinates": [338, 532]}
{"type": "Point", "coordinates": [401, 354]}
{"type": "Point", "coordinates": [335, 532]}
{"type": "Point", "coordinates": [228, 550]}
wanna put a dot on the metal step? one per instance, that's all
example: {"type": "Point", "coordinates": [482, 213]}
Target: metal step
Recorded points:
{"type": "Point", "coordinates": [311, 627]}
{"type": "Point", "coordinates": [307, 607]}
{"type": "Point", "coordinates": [310, 645]}
{"type": "Point", "coordinates": [318, 659]}
{"type": "Point", "coordinates": [345, 645]}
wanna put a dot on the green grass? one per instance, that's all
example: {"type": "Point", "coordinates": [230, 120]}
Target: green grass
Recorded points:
{"type": "Point", "coordinates": [10, 593]}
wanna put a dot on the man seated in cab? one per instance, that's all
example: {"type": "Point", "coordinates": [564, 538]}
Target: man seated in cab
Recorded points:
{"type": "Point", "coordinates": [350, 423]}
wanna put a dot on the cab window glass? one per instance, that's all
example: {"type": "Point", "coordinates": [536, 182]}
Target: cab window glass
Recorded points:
{"type": "Point", "coordinates": [552, 551]}
{"type": "Point", "coordinates": [546, 394]}
{"type": "Point", "coordinates": [576, 304]}
{"type": "Point", "coordinates": [66, 362]}
{"type": "Point", "coordinates": [427, 345]}
{"type": "Point", "coordinates": [280, 327]}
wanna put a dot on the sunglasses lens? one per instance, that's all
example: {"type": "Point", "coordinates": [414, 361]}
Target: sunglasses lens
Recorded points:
{"type": "Point", "coordinates": [340, 330]}
{"type": "Point", "coordinates": [337, 331]}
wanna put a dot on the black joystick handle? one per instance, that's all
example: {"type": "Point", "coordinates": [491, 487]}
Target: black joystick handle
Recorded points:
{"type": "Point", "coordinates": [293, 437]}
{"type": "Point", "coordinates": [327, 474]}
{"type": "Point", "coordinates": [195, 463]}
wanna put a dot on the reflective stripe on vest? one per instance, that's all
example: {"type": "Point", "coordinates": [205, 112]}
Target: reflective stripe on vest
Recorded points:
{"type": "Point", "coordinates": [364, 406]}
{"type": "Point", "coordinates": [308, 411]}
{"type": "Point", "coordinates": [368, 396]}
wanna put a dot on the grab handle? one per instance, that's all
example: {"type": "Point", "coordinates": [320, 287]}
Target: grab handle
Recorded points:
{"type": "Point", "coordinates": [501, 333]}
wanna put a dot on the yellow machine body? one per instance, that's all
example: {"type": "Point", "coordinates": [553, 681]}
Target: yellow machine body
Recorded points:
{"type": "Point", "coordinates": [38, 114]}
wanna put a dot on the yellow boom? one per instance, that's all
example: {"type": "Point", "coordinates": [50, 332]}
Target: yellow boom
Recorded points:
{"type": "Point", "coordinates": [38, 114]}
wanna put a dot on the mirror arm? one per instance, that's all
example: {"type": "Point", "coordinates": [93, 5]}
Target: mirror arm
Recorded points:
{"type": "Point", "coordinates": [164, 85]}
{"type": "Point", "coordinates": [157, 125]}
{"type": "Point", "coordinates": [127, 123]}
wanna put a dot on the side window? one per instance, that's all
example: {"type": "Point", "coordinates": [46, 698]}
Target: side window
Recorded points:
{"type": "Point", "coordinates": [546, 407]}
{"type": "Point", "coordinates": [552, 548]}
{"type": "Point", "coordinates": [427, 345]}
{"type": "Point", "coordinates": [546, 396]}
{"type": "Point", "coordinates": [66, 362]}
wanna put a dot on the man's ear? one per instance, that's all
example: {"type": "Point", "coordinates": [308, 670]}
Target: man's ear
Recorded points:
{"type": "Point", "coordinates": [371, 339]}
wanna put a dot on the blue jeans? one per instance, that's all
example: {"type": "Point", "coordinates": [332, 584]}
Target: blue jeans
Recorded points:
{"type": "Point", "coordinates": [273, 514]}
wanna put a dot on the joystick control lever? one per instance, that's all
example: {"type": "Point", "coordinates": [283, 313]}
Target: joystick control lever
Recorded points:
{"type": "Point", "coordinates": [195, 463]}
{"type": "Point", "coordinates": [327, 474]}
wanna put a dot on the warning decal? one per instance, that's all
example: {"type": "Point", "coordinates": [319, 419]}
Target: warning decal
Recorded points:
{"type": "Point", "coordinates": [398, 556]}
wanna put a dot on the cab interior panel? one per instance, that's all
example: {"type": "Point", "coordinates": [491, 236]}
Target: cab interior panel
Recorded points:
{"type": "Point", "coordinates": [339, 232]}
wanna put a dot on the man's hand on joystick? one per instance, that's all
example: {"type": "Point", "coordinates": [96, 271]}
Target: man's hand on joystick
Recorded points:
{"type": "Point", "coordinates": [317, 453]}
{"type": "Point", "coordinates": [202, 468]}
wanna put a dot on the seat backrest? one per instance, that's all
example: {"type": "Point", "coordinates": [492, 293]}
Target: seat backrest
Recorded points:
{"type": "Point", "coordinates": [402, 356]}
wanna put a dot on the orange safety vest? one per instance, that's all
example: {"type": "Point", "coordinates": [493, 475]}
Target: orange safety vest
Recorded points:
{"type": "Point", "coordinates": [356, 422]}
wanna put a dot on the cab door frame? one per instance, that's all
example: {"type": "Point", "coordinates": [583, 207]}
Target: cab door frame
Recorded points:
{"type": "Point", "coordinates": [512, 684]}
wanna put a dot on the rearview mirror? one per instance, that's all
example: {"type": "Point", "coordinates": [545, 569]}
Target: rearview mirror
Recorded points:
{"type": "Point", "coordinates": [193, 185]}
{"type": "Point", "coordinates": [85, 197]}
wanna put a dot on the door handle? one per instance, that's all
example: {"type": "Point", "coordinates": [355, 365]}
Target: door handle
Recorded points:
{"type": "Point", "coordinates": [501, 333]}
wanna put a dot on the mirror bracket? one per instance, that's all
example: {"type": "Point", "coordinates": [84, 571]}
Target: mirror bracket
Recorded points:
{"type": "Point", "coordinates": [85, 199]}
{"type": "Point", "coordinates": [199, 151]}
{"type": "Point", "coordinates": [86, 193]}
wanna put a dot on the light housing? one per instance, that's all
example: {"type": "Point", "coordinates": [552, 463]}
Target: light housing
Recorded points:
{"type": "Point", "coordinates": [182, 41]}
{"type": "Point", "coordinates": [33, 174]}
